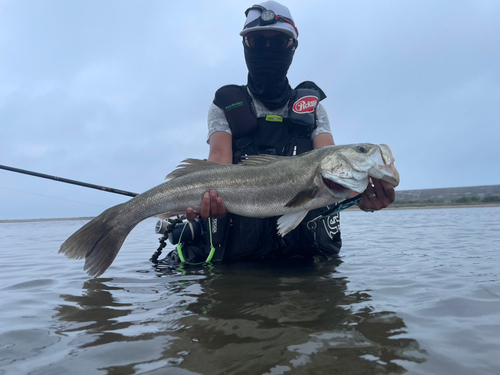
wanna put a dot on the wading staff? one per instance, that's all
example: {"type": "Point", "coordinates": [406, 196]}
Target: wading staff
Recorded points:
{"type": "Point", "coordinates": [68, 181]}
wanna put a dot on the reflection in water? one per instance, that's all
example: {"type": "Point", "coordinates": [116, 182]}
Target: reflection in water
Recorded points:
{"type": "Point", "coordinates": [242, 318]}
{"type": "Point", "coordinates": [97, 312]}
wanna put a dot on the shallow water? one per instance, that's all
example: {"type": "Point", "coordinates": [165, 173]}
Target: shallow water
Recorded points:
{"type": "Point", "coordinates": [417, 292]}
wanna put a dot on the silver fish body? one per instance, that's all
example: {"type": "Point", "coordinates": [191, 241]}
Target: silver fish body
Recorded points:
{"type": "Point", "coordinates": [262, 186]}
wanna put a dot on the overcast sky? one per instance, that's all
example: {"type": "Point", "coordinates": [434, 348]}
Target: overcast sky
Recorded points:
{"type": "Point", "coordinates": [116, 93]}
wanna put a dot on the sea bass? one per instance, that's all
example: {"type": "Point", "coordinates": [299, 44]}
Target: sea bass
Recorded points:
{"type": "Point", "coordinates": [262, 186]}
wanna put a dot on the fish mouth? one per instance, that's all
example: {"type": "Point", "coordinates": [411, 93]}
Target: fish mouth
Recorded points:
{"type": "Point", "coordinates": [384, 168]}
{"type": "Point", "coordinates": [335, 187]}
{"type": "Point", "coordinates": [388, 173]}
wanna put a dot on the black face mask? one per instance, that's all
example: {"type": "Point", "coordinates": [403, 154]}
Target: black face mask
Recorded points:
{"type": "Point", "coordinates": [267, 71]}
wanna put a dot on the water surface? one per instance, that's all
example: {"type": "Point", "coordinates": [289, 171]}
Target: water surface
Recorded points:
{"type": "Point", "coordinates": [416, 291]}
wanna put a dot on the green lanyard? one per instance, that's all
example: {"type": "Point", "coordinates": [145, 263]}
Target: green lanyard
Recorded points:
{"type": "Point", "coordinates": [212, 248]}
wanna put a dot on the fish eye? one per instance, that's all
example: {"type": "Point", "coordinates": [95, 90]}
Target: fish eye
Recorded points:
{"type": "Point", "coordinates": [362, 149]}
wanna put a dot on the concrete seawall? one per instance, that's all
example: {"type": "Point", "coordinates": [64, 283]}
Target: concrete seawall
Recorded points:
{"type": "Point", "coordinates": [446, 194]}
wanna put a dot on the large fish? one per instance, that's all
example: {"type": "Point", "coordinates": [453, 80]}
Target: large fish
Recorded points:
{"type": "Point", "coordinates": [261, 186]}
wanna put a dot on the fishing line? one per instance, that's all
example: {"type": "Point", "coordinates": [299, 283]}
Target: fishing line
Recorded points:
{"type": "Point", "coordinates": [48, 196]}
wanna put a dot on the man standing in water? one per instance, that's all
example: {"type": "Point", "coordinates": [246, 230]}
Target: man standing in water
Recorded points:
{"type": "Point", "coordinates": [267, 116]}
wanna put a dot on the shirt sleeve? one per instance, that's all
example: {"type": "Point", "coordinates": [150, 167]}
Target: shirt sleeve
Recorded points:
{"type": "Point", "coordinates": [217, 121]}
{"type": "Point", "coordinates": [322, 122]}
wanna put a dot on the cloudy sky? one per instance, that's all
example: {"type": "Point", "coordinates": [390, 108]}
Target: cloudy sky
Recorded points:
{"type": "Point", "coordinates": [116, 93]}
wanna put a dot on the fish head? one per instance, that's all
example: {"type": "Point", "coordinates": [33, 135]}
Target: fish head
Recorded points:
{"type": "Point", "coordinates": [348, 168]}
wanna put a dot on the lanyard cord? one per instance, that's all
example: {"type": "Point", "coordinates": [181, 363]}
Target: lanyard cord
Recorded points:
{"type": "Point", "coordinates": [212, 248]}
{"type": "Point", "coordinates": [311, 224]}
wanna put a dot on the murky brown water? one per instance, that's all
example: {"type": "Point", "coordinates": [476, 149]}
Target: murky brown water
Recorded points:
{"type": "Point", "coordinates": [417, 291]}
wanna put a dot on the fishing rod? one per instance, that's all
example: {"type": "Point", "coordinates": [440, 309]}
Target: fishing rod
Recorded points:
{"type": "Point", "coordinates": [68, 181]}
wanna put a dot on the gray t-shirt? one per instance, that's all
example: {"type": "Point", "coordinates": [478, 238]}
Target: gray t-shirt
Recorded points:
{"type": "Point", "coordinates": [217, 121]}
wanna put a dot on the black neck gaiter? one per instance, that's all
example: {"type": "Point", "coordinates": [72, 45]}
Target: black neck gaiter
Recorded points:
{"type": "Point", "coordinates": [267, 79]}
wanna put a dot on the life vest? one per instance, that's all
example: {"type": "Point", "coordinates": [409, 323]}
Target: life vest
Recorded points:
{"type": "Point", "coordinates": [270, 134]}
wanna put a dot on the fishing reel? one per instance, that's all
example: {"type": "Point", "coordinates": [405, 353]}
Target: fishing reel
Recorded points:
{"type": "Point", "coordinates": [175, 228]}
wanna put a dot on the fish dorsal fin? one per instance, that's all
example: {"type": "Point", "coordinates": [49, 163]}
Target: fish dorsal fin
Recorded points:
{"type": "Point", "coordinates": [253, 160]}
{"type": "Point", "coordinates": [191, 165]}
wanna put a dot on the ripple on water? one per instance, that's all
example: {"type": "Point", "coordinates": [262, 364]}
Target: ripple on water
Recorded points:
{"type": "Point", "coordinates": [19, 345]}
{"type": "Point", "coordinates": [32, 284]}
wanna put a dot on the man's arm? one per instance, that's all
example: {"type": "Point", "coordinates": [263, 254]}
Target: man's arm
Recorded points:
{"type": "Point", "coordinates": [221, 148]}
{"type": "Point", "coordinates": [322, 140]}
{"type": "Point", "coordinates": [221, 151]}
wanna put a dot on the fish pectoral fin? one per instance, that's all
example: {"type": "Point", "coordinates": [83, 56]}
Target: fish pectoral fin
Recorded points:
{"type": "Point", "coordinates": [289, 222]}
{"type": "Point", "coordinates": [303, 197]}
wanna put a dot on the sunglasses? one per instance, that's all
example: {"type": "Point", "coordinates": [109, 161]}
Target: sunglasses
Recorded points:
{"type": "Point", "coordinates": [259, 42]}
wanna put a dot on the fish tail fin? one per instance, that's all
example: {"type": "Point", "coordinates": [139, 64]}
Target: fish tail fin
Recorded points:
{"type": "Point", "coordinates": [98, 241]}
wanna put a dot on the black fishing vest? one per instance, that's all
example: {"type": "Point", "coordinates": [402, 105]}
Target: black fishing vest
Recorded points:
{"type": "Point", "coordinates": [270, 134]}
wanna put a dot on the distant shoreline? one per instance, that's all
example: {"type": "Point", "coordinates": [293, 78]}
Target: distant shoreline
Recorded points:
{"type": "Point", "coordinates": [46, 219]}
{"type": "Point", "coordinates": [431, 206]}
{"type": "Point", "coordinates": [391, 207]}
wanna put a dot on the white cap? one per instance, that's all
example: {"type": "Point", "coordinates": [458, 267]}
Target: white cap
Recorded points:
{"type": "Point", "coordinates": [279, 10]}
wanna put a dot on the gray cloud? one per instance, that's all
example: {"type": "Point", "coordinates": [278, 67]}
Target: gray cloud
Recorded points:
{"type": "Point", "coordinates": [116, 93]}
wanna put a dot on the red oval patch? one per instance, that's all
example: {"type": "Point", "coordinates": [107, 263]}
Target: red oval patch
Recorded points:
{"type": "Point", "coordinates": [306, 104]}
